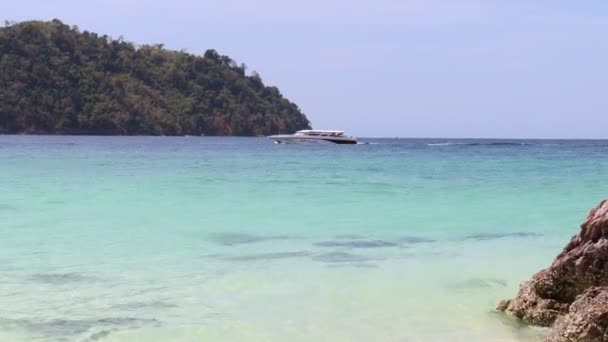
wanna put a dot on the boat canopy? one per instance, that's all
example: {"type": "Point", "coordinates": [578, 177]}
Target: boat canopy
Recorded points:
{"type": "Point", "coordinates": [318, 132]}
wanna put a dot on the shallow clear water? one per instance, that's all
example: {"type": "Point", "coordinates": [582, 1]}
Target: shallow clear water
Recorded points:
{"type": "Point", "coordinates": [239, 239]}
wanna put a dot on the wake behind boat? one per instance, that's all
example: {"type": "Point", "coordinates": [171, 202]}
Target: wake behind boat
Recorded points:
{"type": "Point", "coordinates": [314, 136]}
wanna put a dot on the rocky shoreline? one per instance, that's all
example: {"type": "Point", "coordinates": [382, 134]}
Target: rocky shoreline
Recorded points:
{"type": "Point", "coordinates": [572, 294]}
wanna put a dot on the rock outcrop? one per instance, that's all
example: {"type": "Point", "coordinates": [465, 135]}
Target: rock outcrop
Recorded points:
{"type": "Point", "coordinates": [581, 265]}
{"type": "Point", "coordinates": [587, 319]}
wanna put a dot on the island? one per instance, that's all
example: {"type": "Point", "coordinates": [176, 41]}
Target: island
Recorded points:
{"type": "Point", "coordinates": [57, 79]}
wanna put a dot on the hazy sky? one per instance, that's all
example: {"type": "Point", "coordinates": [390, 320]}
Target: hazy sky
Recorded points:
{"type": "Point", "coordinates": [417, 68]}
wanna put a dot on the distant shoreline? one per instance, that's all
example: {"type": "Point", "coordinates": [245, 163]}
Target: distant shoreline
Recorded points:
{"type": "Point", "coordinates": [263, 136]}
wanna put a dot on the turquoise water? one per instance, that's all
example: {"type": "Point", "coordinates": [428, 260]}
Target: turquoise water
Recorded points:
{"type": "Point", "coordinates": [239, 239]}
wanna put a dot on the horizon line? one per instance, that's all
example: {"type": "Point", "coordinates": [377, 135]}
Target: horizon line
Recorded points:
{"type": "Point", "coordinates": [264, 136]}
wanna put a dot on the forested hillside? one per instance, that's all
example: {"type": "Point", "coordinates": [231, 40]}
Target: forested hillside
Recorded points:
{"type": "Point", "coordinates": [57, 79]}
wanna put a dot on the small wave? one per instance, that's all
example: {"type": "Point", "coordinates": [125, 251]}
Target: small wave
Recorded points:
{"type": "Point", "coordinates": [494, 236]}
{"type": "Point", "coordinates": [64, 329]}
{"type": "Point", "coordinates": [496, 143]}
{"type": "Point", "coordinates": [341, 257]}
{"type": "Point", "coordinates": [443, 144]}
{"type": "Point", "coordinates": [159, 305]}
{"type": "Point", "coordinates": [500, 143]}
{"type": "Point", "coordinates": [357, 243]}
{"type": "Point", "coordinates": [268, 256]}
{"type": "Point", "coordinates": [61, 278]}
{"type": "Point", "coordinates": [7, 207]}
{"type": "Point", "coordinates": [230, 239]}
{"type": "Point", "coordinates": [477, 283]}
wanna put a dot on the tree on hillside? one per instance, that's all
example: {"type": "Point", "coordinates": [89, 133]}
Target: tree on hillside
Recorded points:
{"type": "Point", "coordinates": [56, 79]}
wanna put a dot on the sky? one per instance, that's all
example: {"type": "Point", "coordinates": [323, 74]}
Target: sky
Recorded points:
{"type": "Point", "coordinates": [388, 68]}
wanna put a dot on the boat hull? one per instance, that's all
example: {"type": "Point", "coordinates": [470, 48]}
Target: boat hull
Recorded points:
{"type": "Point", "coordinates": [306, 140]}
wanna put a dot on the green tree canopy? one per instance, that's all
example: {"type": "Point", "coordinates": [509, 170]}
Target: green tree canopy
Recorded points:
{"type": "Point", "coordinates": [57, 79]}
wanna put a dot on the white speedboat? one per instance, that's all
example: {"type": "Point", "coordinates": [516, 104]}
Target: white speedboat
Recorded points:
{"type": "Point", "coordinates": [314, 136]}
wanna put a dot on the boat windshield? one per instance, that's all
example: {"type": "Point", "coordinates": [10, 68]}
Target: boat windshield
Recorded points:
{"type": "Point", "coordinates": [320, 133]}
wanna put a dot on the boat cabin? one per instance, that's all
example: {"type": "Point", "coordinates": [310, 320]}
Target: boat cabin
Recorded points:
{"type": "Point", "coordinates": [320, 133]}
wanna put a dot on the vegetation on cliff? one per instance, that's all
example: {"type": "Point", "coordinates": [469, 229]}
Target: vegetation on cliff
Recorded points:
{"type": "Point", "coordinates": [56, 79]}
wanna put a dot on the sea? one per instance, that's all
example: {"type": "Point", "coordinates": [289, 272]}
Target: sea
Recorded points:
{"type": "Point", "coordinates": [241, 239]}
